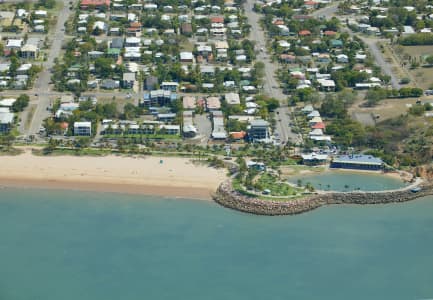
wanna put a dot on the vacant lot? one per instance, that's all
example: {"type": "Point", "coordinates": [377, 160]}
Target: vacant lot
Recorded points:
{"type": "Point", "coordinates": [422, 76]}
{"type": "Point", "coordinates": [387, 109]}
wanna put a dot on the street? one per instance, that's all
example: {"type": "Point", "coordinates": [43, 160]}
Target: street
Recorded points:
{"type": "Point", "coordinates": [42, 87]}
{"type": "Point", "coordinates": [330, 11]}
{"type": "Point", "coordinates": [271, 87]}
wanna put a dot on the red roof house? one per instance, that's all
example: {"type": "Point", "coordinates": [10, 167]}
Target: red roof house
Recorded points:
{"type": "Point", "coordinates": [217, 20]}
{"type": "Point", "coordinates": [304, 32]}
{"type": "Point", "coordinates": [238, 135]}
{"type": "Point", "coordinates": [310, 4]}
{"type": "Point", "coordinates": [318, 125]}
{"type": "Point", "coordinates": [95, 3]}
{"type": "Point", "coordinates": [329, 33]}
{"type": "Point", "coordinates": [278, 22]}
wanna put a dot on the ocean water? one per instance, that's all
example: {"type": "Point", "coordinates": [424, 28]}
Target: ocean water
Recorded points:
{"type": "Point", "coordinates": [348, 181]}
{"type": "Point", "coordinates": [89, 246]}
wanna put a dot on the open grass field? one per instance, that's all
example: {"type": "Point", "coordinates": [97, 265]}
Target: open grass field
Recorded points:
{"type": "Point", "coordinates": [119, 101]}
{"type": "Point", "coordinates": [422, 76]}
{"type": "Point", "coordinates": [387, 109]}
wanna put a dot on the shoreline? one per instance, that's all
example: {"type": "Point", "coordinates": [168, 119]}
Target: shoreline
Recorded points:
{"type": "Point", "coordinates": [201, 194]}
{"type": "Point", "coordinates": [154, 176]}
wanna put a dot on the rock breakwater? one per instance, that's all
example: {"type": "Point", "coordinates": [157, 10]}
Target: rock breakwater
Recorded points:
{"type": "Point", "coordinates": [228, 197]}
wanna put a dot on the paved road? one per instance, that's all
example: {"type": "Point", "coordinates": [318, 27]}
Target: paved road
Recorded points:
{"type": "Point", "coordinates": [204, 127]}
{"type": "Point", "coordinates": [326, 12]}
{"type": "Point", "coordinates": [42, 86]}
{"type": "Point", "coordinates": [380, 60]}
{"type": "Point", "coordinates": [331, 11]}
{"type": "Point", "coordinates": [271, 85]}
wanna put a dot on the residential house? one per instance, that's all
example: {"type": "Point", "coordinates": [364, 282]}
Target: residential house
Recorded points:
{"type": "Point", "coordinates": [213, 103]}
{"type": "Point", "coordinates": [283, 30]}
{"type": "Point", "coordinates": [186, 29]}
{"type": "Point", "coordinates": [128, 80]}
{"type": "Point", "coordinates": [41, 13]}
{"type": "Point", "coordinates": [95, 54]}
{"type": "Point", "coordinates": [408, 30]}
{"type": "Point", "coordinates": [342, 58]}
{"type": "Point", "coordinates": [113, 52]}
{"type": "Point", "coordinates": [336, 43]}
{"type": "Point", "coordinates": [100, 26]}
{"type": "Point", "coordinates": [167, 117]}
{"type": "Point", "coordinates": [169, 86]}
{"type": "Point", "coordinates": [158, 97]}
{"type": "Point", "coordinates": [169, 129]}
{"type": "Point", "coordinates": [110, 84]}
{"type": "Point", "coordinates": [232, 99]}
{"type": "Point", "coordinates": [151, 83]}
{"type": "Point", "coordinates": [29, 51]}
{"type": "Point", "coordinates": [85, 4]}
{"type": "Point", "coordinates": [207, 70]}
{"type": "Point", "coordinates": [24, 69]}
{"type": "Point", "coordinates": [326, 85]}
{"type": "Point", "coordinates": [116, 43]}
{"type": "Point", "coordinates": [189, 103]}
{"type": "Point", "coordinates": [39, 28]}
{"type": "Point", "coordinates": [218, 130]}
{"type": "Point", "coordinates": [14, 44]}
{"type": "Point", "coordinates": [186, 57]}
{"type": "Point", "coordinates": [6, 120]}
{"type": "Point", "coordinates": [132, 42]}
{"type": "Point", "coordinates": [287, 58]}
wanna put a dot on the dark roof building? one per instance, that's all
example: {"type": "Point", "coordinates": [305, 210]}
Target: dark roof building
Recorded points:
{"type": "Point", "coordinates": [151, 82]}
{"type": "Point", "coordinates": [357, 161]}
{"type": "Point", "coordinates": [117, 43]}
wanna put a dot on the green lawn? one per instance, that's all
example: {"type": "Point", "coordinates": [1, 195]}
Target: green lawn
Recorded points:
{"type": "Point", "coordinates": [145, 136]}
{"type": "Point", "coordinates": [276, 188]}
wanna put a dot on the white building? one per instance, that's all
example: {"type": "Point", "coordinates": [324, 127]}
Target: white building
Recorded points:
{"type": "Point", "coordinates": [82, 128]}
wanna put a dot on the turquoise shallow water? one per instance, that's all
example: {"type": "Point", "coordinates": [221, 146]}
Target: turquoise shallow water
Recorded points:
{"type": "Point", "coordinates": [73, 245]}
{"type": "Point", "coordinates": [349, 181]}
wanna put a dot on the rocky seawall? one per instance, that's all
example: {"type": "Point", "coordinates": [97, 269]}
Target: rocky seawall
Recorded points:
{"type": "Point", "coordinates": [228, 197]}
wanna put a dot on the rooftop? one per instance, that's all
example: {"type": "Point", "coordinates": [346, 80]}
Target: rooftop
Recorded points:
{"type": "Point", "coordinates": [358, 159]}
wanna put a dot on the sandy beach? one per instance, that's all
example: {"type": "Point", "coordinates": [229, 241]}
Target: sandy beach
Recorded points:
{"type": "Point", "coordinates": [174, 177]}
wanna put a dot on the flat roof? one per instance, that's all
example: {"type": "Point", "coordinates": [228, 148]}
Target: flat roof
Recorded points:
{"type": "Point", "coordinates": [6, 118]}
{"type": "Point", "coordinates": [259, 122]}
{"type": "Point", "coordinates": [7, 102]}
{"type": "Point", "coordinates": [189, 102]}
{"type": "Point", "coordinates": [232, 98]}
{"type": "Point", "coordinates": [358, 159]}
{"type": "Point", "coordinates": [314, 156]}
{"type": "Point", "coordinates": [82, 124]}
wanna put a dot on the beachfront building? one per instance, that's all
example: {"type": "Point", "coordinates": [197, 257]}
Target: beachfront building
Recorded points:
{"type": "Point", "coordinates": [82, 128]}
{"type": "Point", "coordinates": [6, 120]}
{"type": "Point", "coordinates": [314, 159]}
{"type": "Point", "coordinates": [158, 98]}
{"type": "Point", "coordinates": [169, 129]}
{"type": "Point", "coordinates": [218, 130]}
{"type": "Point", "coordinates": [188, 129]}
{"type": "Point", "coordinates": [258, 130]}
{"type": "Point", "coordinates": [357, 161]}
